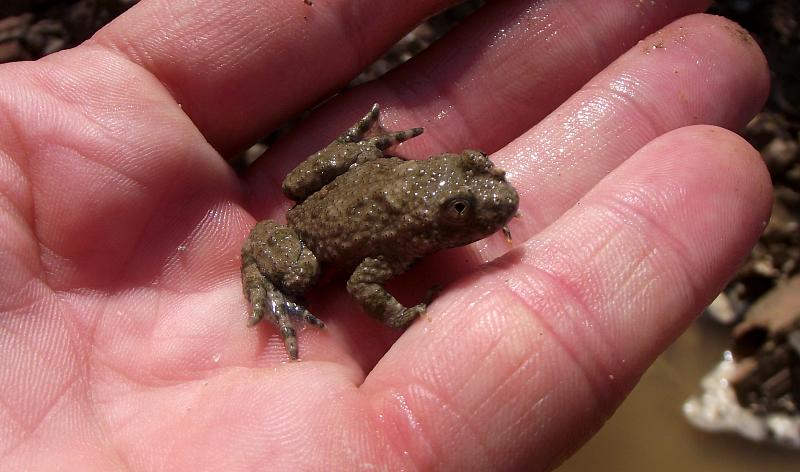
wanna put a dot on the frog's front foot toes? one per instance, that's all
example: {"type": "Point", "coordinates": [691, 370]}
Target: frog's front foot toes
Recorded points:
{"type": "Point", "coordinates": [405, 317]}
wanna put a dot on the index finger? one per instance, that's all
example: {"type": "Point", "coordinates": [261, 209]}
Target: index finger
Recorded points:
{"type": "Point", "coordinates": [239, 68]}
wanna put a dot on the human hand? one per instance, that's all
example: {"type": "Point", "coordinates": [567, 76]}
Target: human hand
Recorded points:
{"type": "Point", "coordinates": [124, 334]}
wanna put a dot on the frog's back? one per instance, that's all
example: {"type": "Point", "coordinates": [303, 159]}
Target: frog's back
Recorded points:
{"type": "Point", "coordinates": [352, 217]}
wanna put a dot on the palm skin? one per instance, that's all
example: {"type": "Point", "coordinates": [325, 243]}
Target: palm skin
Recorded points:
{"type": "Point", "coordinates": [124, 332]}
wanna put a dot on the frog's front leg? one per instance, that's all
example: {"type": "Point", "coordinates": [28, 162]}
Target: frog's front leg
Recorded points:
{"type": "Point", "coordinates": [366, 286]}
{"type": "Point", "coordinates": [352, 147]}
{"type": "Point", "coordinates": [277, 268]}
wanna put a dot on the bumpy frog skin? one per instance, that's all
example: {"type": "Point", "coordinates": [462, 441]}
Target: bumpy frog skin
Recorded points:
{"type": "Point", "coordinates": [372, 215]}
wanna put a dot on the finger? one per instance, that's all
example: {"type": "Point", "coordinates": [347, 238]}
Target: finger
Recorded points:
{"type": "Point", "coordinates": [676, 77]}
{"type": "Point", "coordinates": [240, 68]}
{"type": "Point", "coordinates": [520, 363]}
{"type": "Point", "coordinates": [531, 59]}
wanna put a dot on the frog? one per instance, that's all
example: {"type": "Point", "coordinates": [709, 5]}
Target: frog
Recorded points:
{"type": "Point", "coordinates": [371, 214]}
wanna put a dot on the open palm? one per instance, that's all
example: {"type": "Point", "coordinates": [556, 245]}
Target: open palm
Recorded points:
{"type": "Point", "coordinates": [123, 329]}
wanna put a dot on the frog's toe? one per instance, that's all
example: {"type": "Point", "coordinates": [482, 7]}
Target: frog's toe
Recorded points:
{"type": "Point", "coordinates": [357, 132]}
{"type": "Point", "coordinates": [405, 317]}
{"type": "Point", "coordinates": [299, 311]}
{"type": "Point", "coordinates": [283, 310]}
{"type": "Point", "coordinates": [387, 140]}
{"type": "Point", "coordinates": [255, 316]}
{"type": "Point", "coordinates": [290, 341]}
{"type": "Point", "coordinates": [311, 319]}
{"type": "Point", "coordinates": [255, 290]}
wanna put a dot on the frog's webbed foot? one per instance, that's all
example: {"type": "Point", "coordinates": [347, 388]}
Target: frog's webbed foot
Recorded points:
{"type": "Point", "coordinates": [366, 286]}
{"type": "Point", "coordinates": [270, 303]}
{"type": "Point", "coordinates": [276, 263]}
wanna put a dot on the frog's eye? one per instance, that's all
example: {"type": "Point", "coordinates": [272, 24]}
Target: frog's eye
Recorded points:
{"type": "Point", "coordinates": [458, 209]}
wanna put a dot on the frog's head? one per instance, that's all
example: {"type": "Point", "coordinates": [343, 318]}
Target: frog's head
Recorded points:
{"type": "Point", "coordinates": [480, 203]}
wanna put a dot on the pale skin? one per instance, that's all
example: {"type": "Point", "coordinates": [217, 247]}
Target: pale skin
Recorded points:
{"type": "Point", "coordinates": [123, 328]}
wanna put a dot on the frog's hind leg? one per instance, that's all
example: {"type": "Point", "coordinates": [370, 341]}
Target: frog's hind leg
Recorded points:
{"type": "Point", "coordinates": [276, 267]}
{"type": "Point", "coordinates": [359, 144]}
{"type": "Point", "coordinates": [383, 139]}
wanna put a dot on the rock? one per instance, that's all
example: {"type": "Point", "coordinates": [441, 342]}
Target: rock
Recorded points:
{"type": "Point", "coordinates": [767, 350]}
